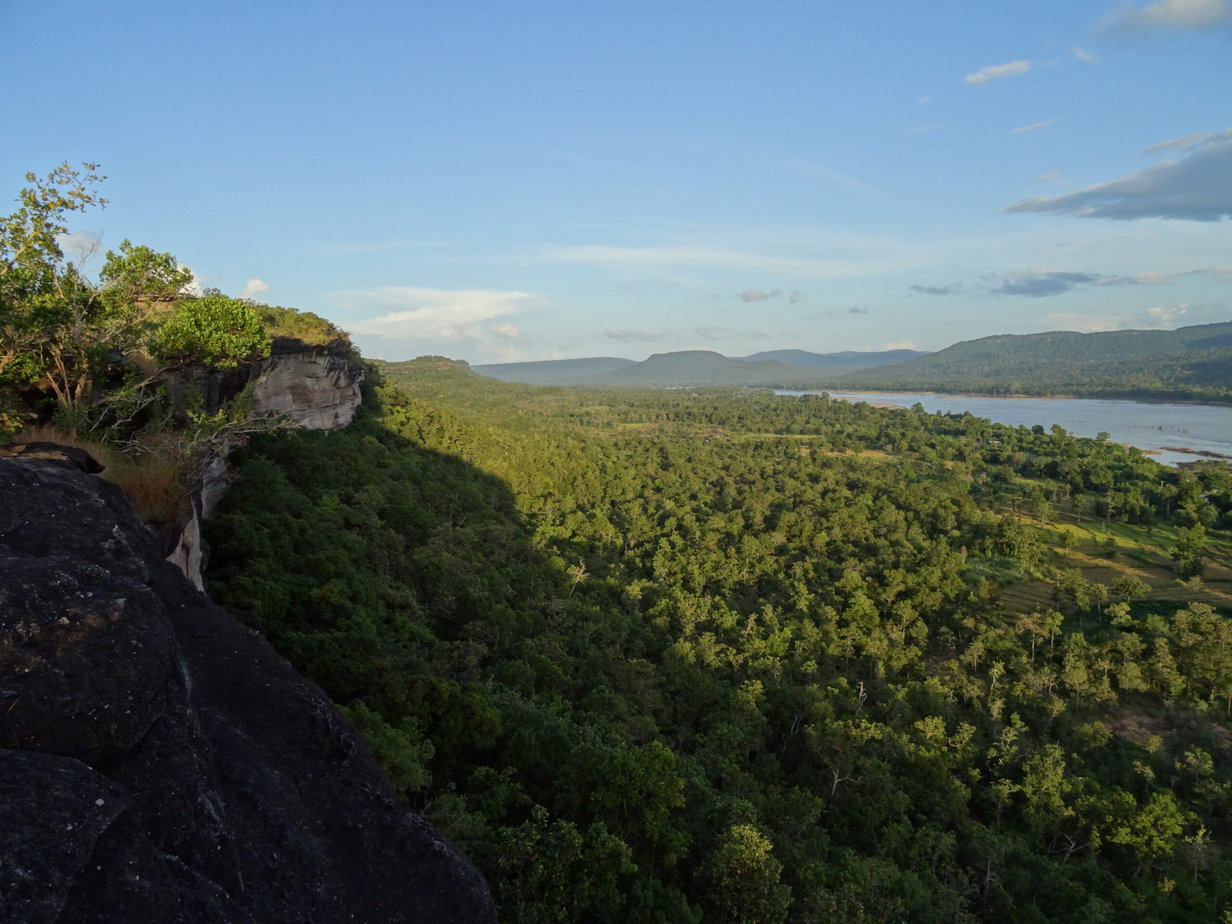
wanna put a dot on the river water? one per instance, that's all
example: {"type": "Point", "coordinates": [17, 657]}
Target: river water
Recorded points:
{"type": "Point", "coordinates": [1149, 427]}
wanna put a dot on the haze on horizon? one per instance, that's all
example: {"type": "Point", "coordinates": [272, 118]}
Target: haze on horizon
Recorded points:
{"type": "Point", "coordinates": [502, 184]}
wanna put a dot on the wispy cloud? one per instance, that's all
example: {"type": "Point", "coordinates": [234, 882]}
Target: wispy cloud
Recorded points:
{"type": "Point", "coordinates": [644, 335]}
{"type": "Point", "coordinates": [728, 333]}
{"type": "Point", "coordinates": [717, 257]}
{"type": "Point", "coordinates": [1030, 128]}
{"type": "Point", "coordinates": [748, 296]}
{"type": "Point", "coordinates": [1040, 283]}
{"type": "Point", "coordinates": [901, 345]}
{"type": "Point", "coordinates": [820, 171]}
{"type": "Point", "coordinates": [1171, 15]}
{"type": "Point", "coordinates": [1081, 54]}
{"type": "Point", "coordinates": [1197, 187]}
{"type": "Point", "coordinates": [1179, 144]}
{"type": "Point", "coordinates": [836, 312]}
{"type": "Point", "coordinates": [933, 290]}
{"type": "Point", "coordinates": [997, 71]}
{"type": "Point", "coordinates": [758, 295]}
{"type": "Point", "coordinates": [1136, 279]}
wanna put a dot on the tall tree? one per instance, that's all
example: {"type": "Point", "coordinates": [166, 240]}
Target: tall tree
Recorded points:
{"type": "Point", "coordinates": [58, 329]}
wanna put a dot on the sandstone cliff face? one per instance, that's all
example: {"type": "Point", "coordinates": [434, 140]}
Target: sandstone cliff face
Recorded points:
{"type": "Point", "coordinates": [317, 388]}
{"type": "Point", "coordinates": [159, 762]}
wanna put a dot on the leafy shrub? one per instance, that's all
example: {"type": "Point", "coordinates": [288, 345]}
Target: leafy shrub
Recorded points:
{"type": "Point", "coordinates": [214, 331]}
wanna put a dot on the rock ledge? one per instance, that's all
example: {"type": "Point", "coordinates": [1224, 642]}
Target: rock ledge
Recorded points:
{"type": "Point", "coordinates": [160, 762]}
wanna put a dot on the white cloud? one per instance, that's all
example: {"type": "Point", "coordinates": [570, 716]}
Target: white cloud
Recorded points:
{"type": "Point", "coordinates": [254, 287]}
{"type": "Point", "coordinates": [1165, 318]}
{"type": "Point", "coordinates": [901, 345]}
{"type": "Point", "coordinates": [402, 321]}
{"type": "Point", "coordinates": [997, 71]}
{"type": "Point", "coordinates": [447, 314]}
{"type": "Point", "coordinates": [1030, 128]}
{"type": "Point", "coordinates": [1082, 54]}
{"type": "Point", "coordinates": [1172, 14]}
{"type": "Point", "coordinates": [1197, 187]}
{"type": "Point", "coordinates": [196, 285]}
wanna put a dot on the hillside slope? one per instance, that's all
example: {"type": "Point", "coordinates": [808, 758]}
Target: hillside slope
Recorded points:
{"type": "Point", "coordinates": [1190, 362]}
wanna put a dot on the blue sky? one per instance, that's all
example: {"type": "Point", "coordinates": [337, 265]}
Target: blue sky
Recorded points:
{"type": "Point", "coordinates": [536, 180]}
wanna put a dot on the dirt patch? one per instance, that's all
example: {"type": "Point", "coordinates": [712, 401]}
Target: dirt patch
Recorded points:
{"type": "Point", "coordinates": [1137, 728]}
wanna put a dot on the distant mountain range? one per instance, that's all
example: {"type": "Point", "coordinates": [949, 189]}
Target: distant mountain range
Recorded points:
{"type": "Point", "coordinates": [697, 368]}
{"type": "Point", "coordinates": [1194, 363]}
{"type": "Point", "coordinates": [1190, 363]}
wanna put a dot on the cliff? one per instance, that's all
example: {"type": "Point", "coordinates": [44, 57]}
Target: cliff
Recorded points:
{"type": "Point", "coordinates": [159, 762]}
{"type": "Point", "coordinates": [316, 387]}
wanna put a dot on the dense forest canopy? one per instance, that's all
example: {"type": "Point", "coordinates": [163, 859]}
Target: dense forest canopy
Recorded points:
{"type": "Point", "coordinates": [731, 656]}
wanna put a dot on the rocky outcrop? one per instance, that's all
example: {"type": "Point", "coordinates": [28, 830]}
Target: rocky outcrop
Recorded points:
{"type": "Point", "coordinates": [159, 762]}
{"type": "Point", "coordinates": [318, 388]}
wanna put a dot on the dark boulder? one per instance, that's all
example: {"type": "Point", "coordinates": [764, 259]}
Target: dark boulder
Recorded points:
{"type": "Point", "coordinates": [160, 762]}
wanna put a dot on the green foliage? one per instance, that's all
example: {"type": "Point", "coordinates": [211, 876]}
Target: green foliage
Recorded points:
{"type": "Point", "coordinates": [213, 331]}
{"type": "Point", "coordinates": [140, 274]}
{"type": "Point", "coordinates": [745, 878]}
{"type": "Point", "coordinates": [298, 325]}
{"type": "Point", "coordinates": [58, 330]}
{"type": "Point", "coordinates": [733, 656]}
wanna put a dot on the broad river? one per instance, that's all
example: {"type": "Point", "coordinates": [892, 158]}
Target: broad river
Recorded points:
{"type": "Point", "coordinates": [1149, 427]}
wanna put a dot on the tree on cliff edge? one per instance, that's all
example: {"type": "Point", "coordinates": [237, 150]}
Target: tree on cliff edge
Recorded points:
{"type": "Point", "coordinates": [58, 329]}
{"type": "Point", "coordinates": [213, 331]}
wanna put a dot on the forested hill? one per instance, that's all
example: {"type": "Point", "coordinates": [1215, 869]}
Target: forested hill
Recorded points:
{"type": "Point", "coordinates": [697, 368]}
{"type": "Point", "coordinates": [727, 656]}
{"type": "Point", "coordinates": [1193, 363]}
{"type": "Point", "coordinates": [554, 371]}
{"type": "Point", "coordinates": [847, 359]}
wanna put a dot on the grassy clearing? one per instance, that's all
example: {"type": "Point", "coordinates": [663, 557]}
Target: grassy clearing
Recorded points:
{"type": "Point", "coordinates": [153, 481]}
{"type": "Point", "coordinates": [1104, 551]}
